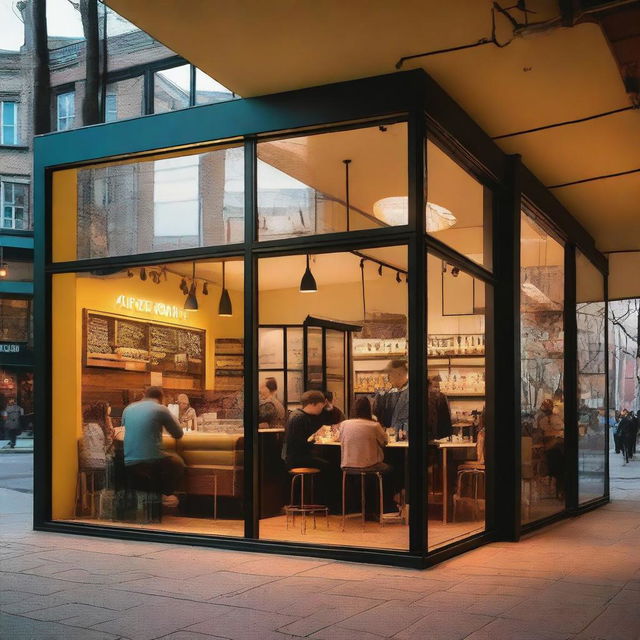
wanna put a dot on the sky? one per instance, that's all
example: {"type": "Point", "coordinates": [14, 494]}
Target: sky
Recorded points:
{"type": "Point", "coordinates": [62, 20]}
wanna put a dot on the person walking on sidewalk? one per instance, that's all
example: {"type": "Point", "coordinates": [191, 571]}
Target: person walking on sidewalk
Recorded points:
{"type": "Point", "coordinates": [12, 422]}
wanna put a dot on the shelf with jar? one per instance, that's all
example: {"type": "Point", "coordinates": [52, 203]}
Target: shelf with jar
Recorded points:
{"type": "Point", "coordinates": [468, 344]}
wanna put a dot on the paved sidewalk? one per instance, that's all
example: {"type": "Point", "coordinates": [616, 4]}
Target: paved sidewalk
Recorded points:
{"type": "Point", "coordinates": [23, 445]}
{"type": "Point", "coordinates": [578, 579]}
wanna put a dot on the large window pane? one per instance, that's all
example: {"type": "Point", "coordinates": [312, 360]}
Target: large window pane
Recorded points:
{"type": "Point", "coordinates": [542, 365]}
{"type": "Point", "coordinates": [590, 319]}
{"type": "Point", "coordinates": [459, 208]}
{"type": "Point", "coordinates": [151, 205]}
{"type": "Point", "coordinates": [115, 336]}
{"type": "Point", "coordinates": [323, 342]}
{"type": "Point", "coordinates": [171, 88]}
{"type": "Point", "coordinates": [459, 415]}
{"type": "Point", "coordinates": [209, 90]}
{"type": "Point", "coordinates": [15, 320]}
{"type": "Point", "coordinates": [302, 183]}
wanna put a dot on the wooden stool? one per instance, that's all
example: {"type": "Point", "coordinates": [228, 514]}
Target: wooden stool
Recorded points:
{"type": "Point", "coordinates": [352, 471]}
{"type": "Point", "coordinates": [301, 507]}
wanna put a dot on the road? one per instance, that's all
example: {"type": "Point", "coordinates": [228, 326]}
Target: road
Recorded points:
{"type": "Point", "coordinates": [16, 472]}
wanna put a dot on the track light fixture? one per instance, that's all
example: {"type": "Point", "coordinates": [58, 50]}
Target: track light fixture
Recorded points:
{"type": "Point", "coordinates": [308, 282]}
{"type": "Point", "coordinates": [205, 289]}
{"type": "Point", "coordinates": [380, 270]}
{"type": "Point", "coordinates": [191, 303]}
{"type": "Point", "coordinates": [143, 274]}
{"type": "Point", "coordinates": [455, 272]}
{"type": "Point", "coordinates": [224, 306]}
{"type": "Point", "coordinates": [398, 279]}
{"type": "Point", "coordinates": [183, 286]}
{"type": "Point", "coordinates": [129, 273]}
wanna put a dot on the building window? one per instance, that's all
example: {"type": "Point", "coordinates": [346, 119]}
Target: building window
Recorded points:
{"type": "Point", "coordinates": [14, 198]}
{"type": "Point", "coordinates": [9, 123]}
{"type": "Point", "coordinates": [110, 108]}
{"type": "Point", "coordinates": [14, 320]}
{"type": "Point", "coordinates": [66, 110]}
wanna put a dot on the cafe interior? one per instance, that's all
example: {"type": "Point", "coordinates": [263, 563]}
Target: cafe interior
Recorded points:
{"type": "Point", "coordinates": [327, 320]}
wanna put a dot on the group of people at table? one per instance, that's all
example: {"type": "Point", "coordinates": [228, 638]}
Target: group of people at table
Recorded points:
{"type": "Point", "coordinates": [362, 437]}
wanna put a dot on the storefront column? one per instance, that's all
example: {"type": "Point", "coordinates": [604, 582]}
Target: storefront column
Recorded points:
{"type": "Point", "coordinates": [507, 447]}
{"type": "Point", "coordinates": [570, 380]}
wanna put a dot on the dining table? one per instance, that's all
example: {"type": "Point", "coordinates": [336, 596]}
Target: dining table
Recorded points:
{"type": "Point", "coordinates": [445, 446]}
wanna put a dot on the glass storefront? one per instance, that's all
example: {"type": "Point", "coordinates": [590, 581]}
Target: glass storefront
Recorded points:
{"type": "Point", "coordinates": [250, 341]}
{"type": "Point", "coordinates": [591, 318]}
{"type": "Point", "coordinates": [542, 365]}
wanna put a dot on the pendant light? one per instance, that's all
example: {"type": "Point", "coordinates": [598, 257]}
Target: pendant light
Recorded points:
{"type": "Point", "coordinates": [4, 267]}
{"type": "Point", "coordinates": [191, 303]}
{"type": "Point", "coordinates": [224, 306]}
{"type": "Point", "coordinates": [308, 282]}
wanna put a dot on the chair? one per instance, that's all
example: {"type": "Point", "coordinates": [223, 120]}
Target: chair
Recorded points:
{"type": "Point", "coordinates": [303, 508]}
{"type": "Point", "coordinates": [362, 472]}
{"type": "Point", "coordinates": [470, 483]}
{"type": "Point", "coordinates": [527, 474]}
{"type": "Point", "coordinates": [89, 469]}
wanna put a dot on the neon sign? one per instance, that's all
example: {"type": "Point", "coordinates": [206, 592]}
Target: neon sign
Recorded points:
{"type": "Point", "coordinates": [149, 306]}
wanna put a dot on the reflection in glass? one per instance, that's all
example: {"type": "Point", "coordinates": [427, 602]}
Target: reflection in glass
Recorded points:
{"type": "Point", "coordinates": [459, 208]}
{"type": "Point", "coordinates": [304, 183]}
{"type": "Point", "coordinates": [124, 99]}
{"type": "Point", "coordinates": [456, 397]}
{"type": "Point", "coordinates": [542, 366]}
{"type": "Point", "coordinates": [115, 336]}
{"type": "Point", "coordinates": [171, 88]}
{"type": "Point", "coordinates": [158, 205]}
{"type": "Point", "coordinates": [590, 320]}
{"type": "Point", "coordinates": [209, 90]}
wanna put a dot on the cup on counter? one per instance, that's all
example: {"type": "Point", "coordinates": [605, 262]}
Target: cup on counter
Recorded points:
{"type": "Point", "coordinates": [392, 434]}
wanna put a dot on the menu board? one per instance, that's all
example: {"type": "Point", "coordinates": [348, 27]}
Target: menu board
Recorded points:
{"type": "Point", "coordinates": [137, 345]}
{"type": "Point", "coordinates": [98, 335]}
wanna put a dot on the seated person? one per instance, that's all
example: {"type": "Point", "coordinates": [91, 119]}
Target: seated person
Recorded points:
{"type": "Point", "coordinates": [186, 413]}
{"type": "Point", "coordinates": [297, 450]}
{"type": "Point", "coordinates": [330, 414]}
{"type": "Point", "coordinates": [270, 410]}
{"type": "Point", "coordinates": [438, 413]}
{"type": "Point", "coordinates": [363, 440]}
{"type": "Point", "coordinates": [143, 456]}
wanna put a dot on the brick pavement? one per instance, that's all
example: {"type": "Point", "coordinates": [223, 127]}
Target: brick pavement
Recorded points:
{"type": "Point", "coordinates": [579, 580]}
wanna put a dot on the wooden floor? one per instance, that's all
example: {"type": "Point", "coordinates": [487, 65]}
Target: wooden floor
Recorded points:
{"type": "Point", "coordinates": [390, 536]}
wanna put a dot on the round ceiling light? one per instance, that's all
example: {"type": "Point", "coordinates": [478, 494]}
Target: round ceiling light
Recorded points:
{"type": "Point", "coordinates": [394, 212]}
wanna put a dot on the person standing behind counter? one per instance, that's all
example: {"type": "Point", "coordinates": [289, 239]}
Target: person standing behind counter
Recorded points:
{"type": "Point", "coordinates": [391, 408]}
{"type": "Point", "coordinates": [186, 413]}
{"type": "Point", "coordinates": [271, 410]}
{"type": "Point", "coordinates": [143, 422]}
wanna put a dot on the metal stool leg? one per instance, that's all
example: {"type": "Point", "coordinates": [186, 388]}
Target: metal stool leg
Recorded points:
{"type": "Point", "coordinates": [344, 481]}
{"type": "Point", "coordinates": [312, 498]}
{"type": "Point", "coordinates": [304, 515]}
{"type": "Point", "coordinates": [381, 498]}
{"type": "Point", "coordinates": [362, 476]}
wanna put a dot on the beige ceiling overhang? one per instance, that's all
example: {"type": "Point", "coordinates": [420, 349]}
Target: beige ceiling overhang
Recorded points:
{"type": "Point", "coordinates": [544, 75]}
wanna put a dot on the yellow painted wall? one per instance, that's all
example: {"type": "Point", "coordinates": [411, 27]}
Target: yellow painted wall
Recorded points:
{"type": "Point", "coordinates": [64, 215]}
{"type": "Point", "coordinates": [66, 404]}
{"type": "Point", "coordinates": [71, 294]}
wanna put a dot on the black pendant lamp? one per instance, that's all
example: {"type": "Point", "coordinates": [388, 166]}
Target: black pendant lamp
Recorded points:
{"type": "Point", "coordinates": [308, 282]}
{"type": "Point", "coordinates": [224, 306]}
{"type": "Point", "coordinates": [191, 303]}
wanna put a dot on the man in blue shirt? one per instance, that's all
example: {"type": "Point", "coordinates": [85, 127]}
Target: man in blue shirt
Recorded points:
{"type": "Point", "coordinates": [143, 455]}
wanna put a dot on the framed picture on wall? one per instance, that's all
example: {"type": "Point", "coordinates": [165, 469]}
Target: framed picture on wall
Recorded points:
{"type": "Point", "coordinates": [271, 348]}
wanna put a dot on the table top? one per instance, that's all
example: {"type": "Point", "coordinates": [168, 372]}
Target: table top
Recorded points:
{"type": "Point", "coordinates": [405, 444]}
